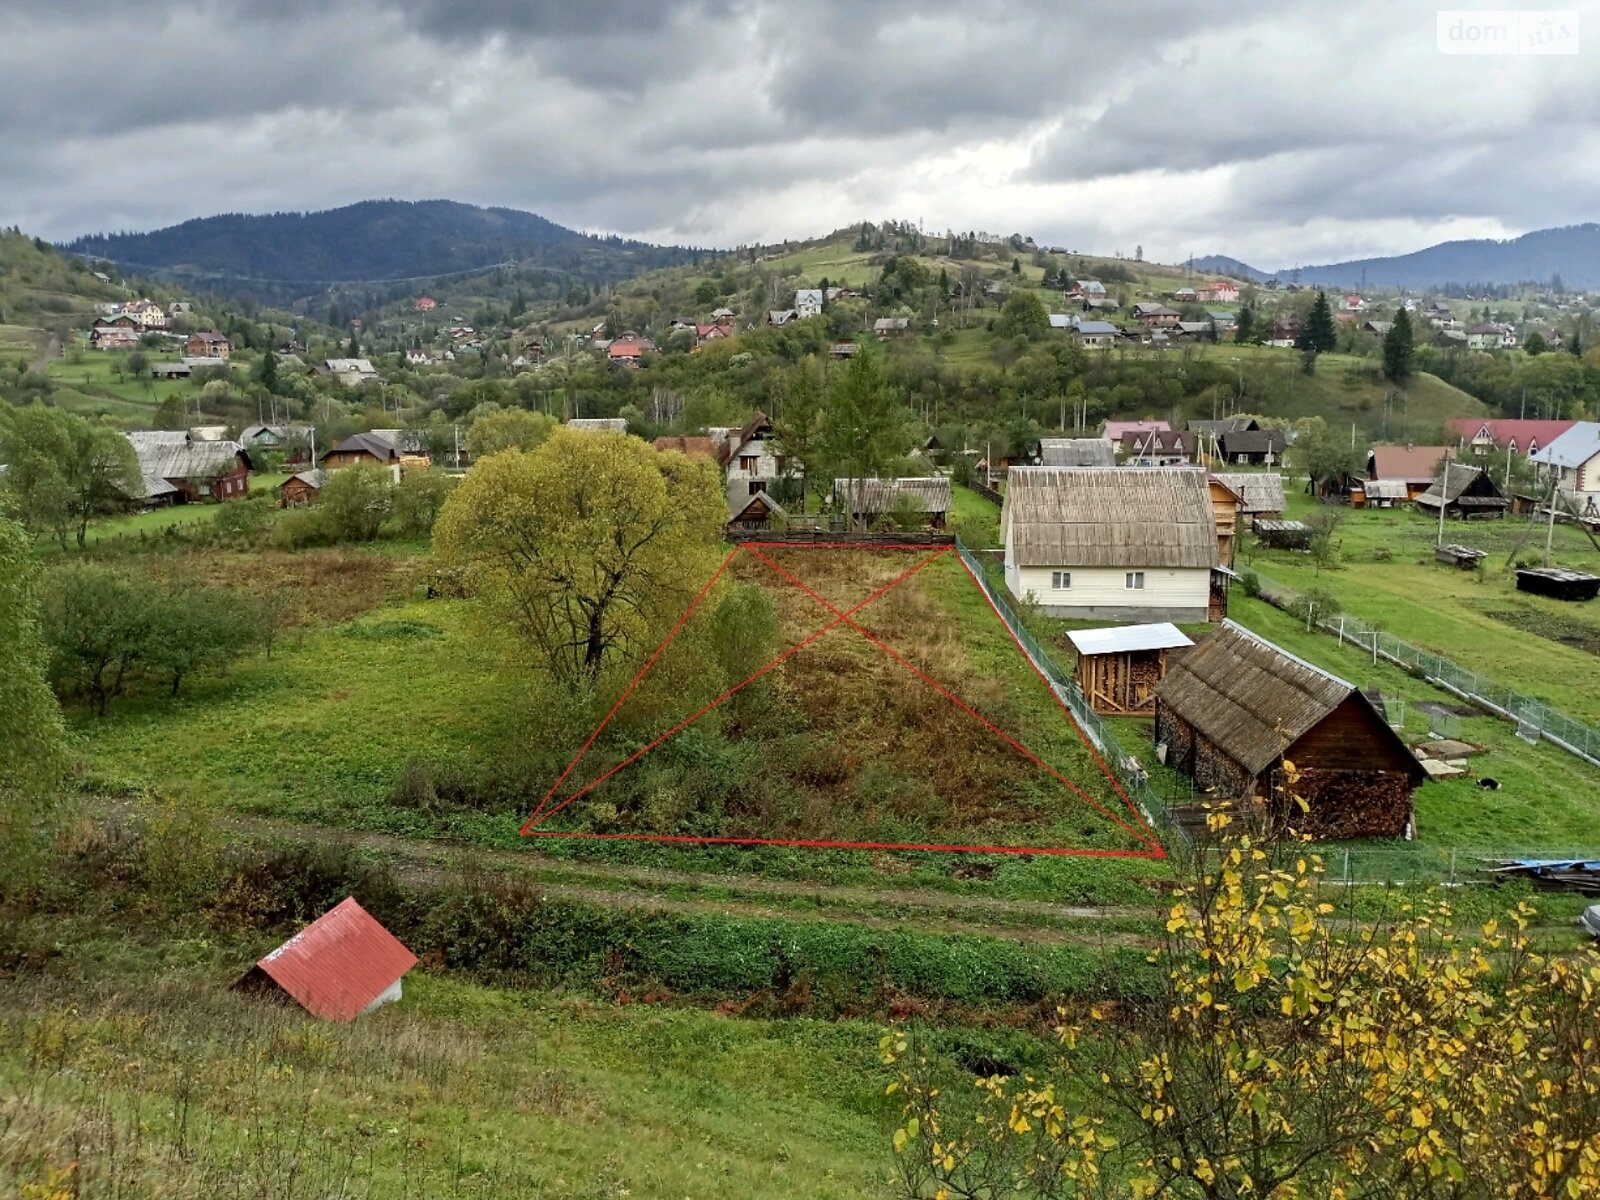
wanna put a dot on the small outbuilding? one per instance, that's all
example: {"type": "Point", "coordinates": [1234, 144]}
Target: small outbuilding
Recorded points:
{"type": "Point", "coordinates": [1283, 535]}
{"type": "Point", "coordinates": [1465, 492]}
{"type": "Point", "coordinates": [1077, 452]}
{"type": "Point", "coordinates": [301, 489]}
{"type": "Point", "coordinates": [343, 964]}
{"type": "Point", "coordinates": [1261, 491]}
{"type": "Point", "coordinates": [1558, 583]}
{"type": "Point", "coordinates": [1236, 710]}
{"type": "Point", "coordinates": [1119, 668]}
{"type": "Point", "coordinates": [758, 513]}
{"type": "Point", "coordinates": [923, 500]}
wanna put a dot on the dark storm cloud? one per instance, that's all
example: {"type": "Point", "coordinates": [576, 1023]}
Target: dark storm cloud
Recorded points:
{"type": "Point", "coordinates": [1253, 129]}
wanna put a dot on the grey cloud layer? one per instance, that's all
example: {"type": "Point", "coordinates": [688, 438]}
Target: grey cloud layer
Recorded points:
{"type": "Point", "coordinates": [1261, 130]}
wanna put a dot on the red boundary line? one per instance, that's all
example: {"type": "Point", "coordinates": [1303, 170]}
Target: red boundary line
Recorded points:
{"type": "Point", "coordinates": [1153, 848]}
{"type": "Point", "coordinates": [938, 687]}
{"type": "Point", "coordinates": [542, 814]}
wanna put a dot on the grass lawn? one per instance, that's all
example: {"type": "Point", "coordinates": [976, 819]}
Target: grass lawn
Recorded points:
{"type": "Point", "coordinates": [974, 512]}
{"type": "Point", "coordinates": [1387, 577]}
{"type": "Point", "coordinates": [92, 386]}
{"type": "Point", "coordinates": [159, 1080]}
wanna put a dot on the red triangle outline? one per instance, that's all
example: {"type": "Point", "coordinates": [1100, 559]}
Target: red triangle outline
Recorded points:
{"type": "Point", "coordinates": [840, 617]}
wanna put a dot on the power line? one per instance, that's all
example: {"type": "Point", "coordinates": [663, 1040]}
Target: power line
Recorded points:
{"type": "Point", "coordinates": [199, 274]}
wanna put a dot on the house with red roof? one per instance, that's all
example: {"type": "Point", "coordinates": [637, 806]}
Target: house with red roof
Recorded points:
{"type": "Point", "coordinates": [1481, 437]}
{"type": "Point", "coordinates": [628, 352]}
{"type": "Point", "coordinates": [426, 304]}
{"type": "Point", "coordinates": [343, 964]}
{"type": "Point", "coordinates": [1115, 431]}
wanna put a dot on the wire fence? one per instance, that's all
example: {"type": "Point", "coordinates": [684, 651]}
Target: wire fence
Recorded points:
{"type": "Point", "coordinates": [1535, 719]}
{"type": "Point", "coordinates": [1128, 773]}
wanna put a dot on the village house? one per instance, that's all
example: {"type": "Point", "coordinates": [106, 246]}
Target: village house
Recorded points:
{"type": "Point", "coordinates": [1284, 333]}
{"type": "Point", "coordinates": [750, 459]}
{"type": "Point", "coordinates": [1260, 491]}
{"type": "Point", "coordinates": [1353, 303]}
{"type": "Point", "coordinates": [115, 320]}
{"type": "Point", "coordinates": [416, 356]}
{"type": "Point", "coordinates": [1573, 461]}
{"type": "Point", "coordinates": [1096, 335]}
{"type": "Point", "coordinates": [722, 316]}
{"type": "Point", "coordinates": [1235, 710]}
{"type": "Point", "coordinates": [628, 351]}
{"type": "Point", "coordinates": [710, 333]}
{"type": "Point", "coordinates": [341, 966]}
{"type": "Point", "coordinates": [179, 469]}
{"type": "Point", "coordinates": [352, 372]}
{"type": "Point", "coordinates": [1077, 452]}
{"type": "Point", "coordinates": [1485, 336]}
{"type": "Point", "coordinates": [1157, 447]}
{"type": "Point", "coordinates": [1253, 447]}
{"type": "Point", "coordinates": [1110, 544]}
{"type": "Point", "coordinates": [868, 501]}
{"type": "Point", "coordinates": [1466, 492]}
{"type": "Point", "coordinates": [1086, 289]}
{"type": "Point", "coordinates": [1480, 438]}
{"type": "Point", "coordinates": [374, 448]}
{"type": "Point", "coordinates": [425, 304]}
{"type": "Point", "coordinates": [782, 316]}
{"type": "Point", "coordinates": [209, 344]}
{"type": "Point", "coordinates": [1155, 316]}
{"type": "Point", "coordinates": [1184, 295]}
{"type": "Point", "coordinates": [1218, 291]}
{"type": "Point", "coordinates": [114, 338]}
{"type": "Point", "coordinates": [843, 350]}
{"type": "Point", "coordinates": [302, 489]}
{"type": "Point", "coordinates": [756, 513]}
{"type": "Point", "coordinates": [1224, 321]}
{"type": "Point", "coordinates": [1409, 470]}
{"type": "Point", "coordinates": [890, 327]}
{"type": "Point", "coordinates": [1119, 668]}
{"type": "Point", "coordinates": [808, 303]}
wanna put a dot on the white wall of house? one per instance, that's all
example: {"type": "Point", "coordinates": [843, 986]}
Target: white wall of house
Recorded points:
{"type": "Point", "coordinates": [1103, 594]}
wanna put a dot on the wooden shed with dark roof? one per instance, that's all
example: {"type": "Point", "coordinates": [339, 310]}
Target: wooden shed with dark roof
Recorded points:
{"type": "Point", "coordinates": [1237, 710]}
{"type": "Point", "coordinates": [1465, 492]}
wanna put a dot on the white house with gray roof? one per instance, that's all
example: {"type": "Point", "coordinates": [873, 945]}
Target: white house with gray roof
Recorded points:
{"type": "Point", "coordinates": [1573, 461]}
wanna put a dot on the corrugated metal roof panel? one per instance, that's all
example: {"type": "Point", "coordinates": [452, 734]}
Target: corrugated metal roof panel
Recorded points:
{"type": "Point", "coordinates": [1125, 638]}
{"type": "Point", "coordinates": [340, 963]}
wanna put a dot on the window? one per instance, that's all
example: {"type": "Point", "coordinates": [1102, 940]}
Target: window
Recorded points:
{"type": "Point", "coordinates": [757, 486]}
{"type": "Point", "coordinates": [1060, 581]}
{"type": "Point", "coordinates": [1134, 581]}
{"type": "Point", "coordinates": [747, 462]}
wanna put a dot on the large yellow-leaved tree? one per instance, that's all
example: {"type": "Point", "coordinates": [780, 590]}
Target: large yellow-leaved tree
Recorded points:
{"type": "Point", "coordinates": [588, 548]}
{"type": "Point", "coordinates": [1293, 1052]}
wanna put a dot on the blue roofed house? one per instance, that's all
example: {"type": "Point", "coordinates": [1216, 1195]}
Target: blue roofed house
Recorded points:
{"type": "Point", "coordinates": [1573, 462]}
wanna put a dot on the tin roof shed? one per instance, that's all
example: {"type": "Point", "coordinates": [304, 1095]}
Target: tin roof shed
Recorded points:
{"type": "Point", "coordinates": [341, 965]}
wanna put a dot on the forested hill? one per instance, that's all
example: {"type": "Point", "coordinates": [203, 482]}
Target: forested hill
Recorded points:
{"type": "Point", "coordinates": [281, 256]}
{"type": "Point", "coordinates": [1572, 252]}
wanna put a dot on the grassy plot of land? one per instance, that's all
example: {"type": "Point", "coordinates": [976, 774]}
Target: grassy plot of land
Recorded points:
{"type": "Point", "coordinates": [132, 1071]}
{"type": "Point", "coordinates": [898, 734]}
{"type": "Point", "coordinates": [18, 342]}
{"type": "Point", "coordinates": [95, 384]}
{"type": "Point", "coordinates": [1386, 575]}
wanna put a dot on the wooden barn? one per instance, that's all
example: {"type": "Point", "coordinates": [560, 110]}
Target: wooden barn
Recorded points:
{"type": "Point", "coordinates": [757, 513]}
{"type": "Point", "coordinates": [1262, 492]}
{"type": "Point", "coordinates": [301, 489]}
{"type": "Point", "coordinates": [1466, 492]}
{"type": "Point", "coordinates": [1558, 584]}
{"type": "Point", "coordinates": [1236, 708]}
{"type": "Point", "coordinates": [1120, 667]}
{"type": "Point", "coordinates": [925, 500]}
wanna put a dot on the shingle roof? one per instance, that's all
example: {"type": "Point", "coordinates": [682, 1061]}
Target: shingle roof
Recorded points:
{"type": "Point", "coordinates": [1108, 517]}
{"type": "Point", "coordinates": [1158, 441]}
{"type": "Point", "coordinates": [928, 494]}
{"type": "Point", "coordinates": [1456, 481]}
{"type": "Point", "coordinates": [1248, 697]}
{"type": "Point", "coordinates": [188, 460]}
{"type": "Point", "coordinates": [1076, 452]}
{"type": "Point", "coordinates": [1262, 493]}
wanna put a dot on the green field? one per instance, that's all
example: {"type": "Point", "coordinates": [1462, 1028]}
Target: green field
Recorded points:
{"type": "Point", "coordinates": [1386, 575]}
{"type": "Point", "coordinates": [93, 386]}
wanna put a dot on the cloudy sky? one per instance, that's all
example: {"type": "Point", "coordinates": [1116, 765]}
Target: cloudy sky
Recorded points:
{"type": "Point", "coordinates": [1281, 133]}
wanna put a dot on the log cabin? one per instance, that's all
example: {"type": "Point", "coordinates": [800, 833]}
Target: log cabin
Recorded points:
{"type": "Point", "coordinates": [1237, 710]}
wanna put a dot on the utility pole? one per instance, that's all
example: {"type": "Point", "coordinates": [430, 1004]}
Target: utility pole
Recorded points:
{"type": "Point", "coordinates": [457, 430]}
{"type": "Point", "coordinates": [1444, 492]}
{"type": "Point", "coordinates": [1550, 530]}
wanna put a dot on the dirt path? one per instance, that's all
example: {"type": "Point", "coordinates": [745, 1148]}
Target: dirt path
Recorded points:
{"type": "Point", "coordinates": [432, 861]}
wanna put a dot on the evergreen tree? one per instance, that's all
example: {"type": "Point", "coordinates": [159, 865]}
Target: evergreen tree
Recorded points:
{"type": "Point", "coordinates": [355, 346]}
{"type": "Point", "coordinates": [1016, 266]}
{"type": "Point", "coordinates": [1317, 335]}
{"type": "Point", "coordinates": [1244, 330]}
{"type": "Point", "coordinates": [267, 372]}
{"type": "Point", "coordinates": [1399, 348]}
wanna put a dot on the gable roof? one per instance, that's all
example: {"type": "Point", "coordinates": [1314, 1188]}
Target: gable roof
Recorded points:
{"type": "Point", "coordinates": [1108, 517]}
{"type": "Point", "coordinates": [1153, 310]}
{"type": "Point", "coordinates": [1413, 464]}
{"type": "Point", "coordinates": [1127, 639]}
{"type": "Point", "coordinates": [1115, 429]}
{"type": "Point", "coordinates": [188, 459]}
{"type": "Point", "coordinates": [1573, 448]}
{"type": "Point", "coordinates": [1261, 492]}
{"type": "Point", "coordinates": [739, 508]}
{"type": "Point", "coordinates": [375, 444]}
{"type": "Point", "coordinates": [1224, 425]}
{"type": "Point", "coordinates": [1076, 452]}
{"type": "Point", "coordinates": [1457, 480]}
{"type": "Point", "coordinates": [338, 965]}
{"type": "Point", "coordinates": [694, 447]}
{"type": "Point", "coordinates": [1252, 699]}
{"type": "Point", "coordinates": [735, 443]}
{"type": "Point", "coordinates": [1095, 328]}
{"type": "Point", "coordinates": [1254, 441]}
{"type": "Point", "coordinates": [313, 479]}
{"type": "Point", "coordinates": [1158, 441]}
{"type": "Point", "coordinates": [928, 494]}
{"type": "Point", "coordinates": [1505, 431]}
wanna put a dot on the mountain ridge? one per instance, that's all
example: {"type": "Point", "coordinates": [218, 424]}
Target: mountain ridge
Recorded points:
{"type": "Point", "coordinates": [1571, 252]}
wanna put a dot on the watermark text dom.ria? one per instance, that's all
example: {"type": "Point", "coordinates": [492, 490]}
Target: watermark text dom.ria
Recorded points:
{"type": "Point", "coordinates": [1506, 31]}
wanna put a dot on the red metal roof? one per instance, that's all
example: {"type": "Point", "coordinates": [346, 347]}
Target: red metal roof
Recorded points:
{"type": "Point", "coordinates": [1505, 430]}
{"type": "Point", "coordinates": [340, 963]}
